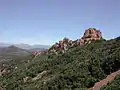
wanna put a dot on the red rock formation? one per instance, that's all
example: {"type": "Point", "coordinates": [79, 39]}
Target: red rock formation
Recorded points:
{"type": "Point", "coordinates": [92, 33]}
{"type": "Point", "coordinates": [89, 35]}
{"type": "Point", "coordinates": [36, 53]}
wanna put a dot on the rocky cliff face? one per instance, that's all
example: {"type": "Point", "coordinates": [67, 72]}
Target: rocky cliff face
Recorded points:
{"type": "Point", "coordinates": [90, 35]}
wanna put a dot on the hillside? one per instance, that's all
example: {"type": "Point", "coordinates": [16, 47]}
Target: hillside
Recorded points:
{"type": "Point", "coordinates": [13, 51]}
{"type": "Point", "coordinates": [79, 67]}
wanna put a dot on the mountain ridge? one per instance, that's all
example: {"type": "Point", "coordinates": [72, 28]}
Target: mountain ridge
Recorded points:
{"type": "Point", "coordinates": [13, 51]}
{"type": "Point", "coordinates": [25, 46]}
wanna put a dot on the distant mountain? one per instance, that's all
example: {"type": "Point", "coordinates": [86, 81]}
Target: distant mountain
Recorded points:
{"type": "Point", "coordinates": [26, 46]}
{"type": "Point", "coordinates": [37, 49]}
{"type": "Point", "coordinates": [23, 46]}
{"type": "Point", "coordinates": [4, 45]}
{"type": "Point", "coordinates": [41, 46]}
{"type": "Point", "coordinates": [13, 51]}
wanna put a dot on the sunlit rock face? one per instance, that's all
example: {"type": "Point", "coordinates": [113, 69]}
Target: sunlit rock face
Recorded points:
{"type": "Point", "coordinates": [89, 35]}
{"type": "Point", "coordinates": [92, 33]}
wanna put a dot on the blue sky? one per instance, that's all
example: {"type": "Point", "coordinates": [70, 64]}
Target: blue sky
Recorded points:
{"type": "Point", "coordinates": [48, 21]}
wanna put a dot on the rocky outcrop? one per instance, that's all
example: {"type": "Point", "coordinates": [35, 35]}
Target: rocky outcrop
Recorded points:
{"type": "Point", "coordinates": [2, 72]}
{"type": "Point", "coordinates": [5, 68]}
{"type": "Point", "coordinates": [90, 35]}
{"type": "Point", "coordinates": [26, 79]}
{"type": "Point", "coordinates": [1, 87]}
{"type": "Point", "coordinates": [62, 46]}
{"type": "Point", "coordinates": [39, 76]}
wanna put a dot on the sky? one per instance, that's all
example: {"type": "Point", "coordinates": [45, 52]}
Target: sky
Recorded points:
{"type": "Point", "coordinates": [48, 21]}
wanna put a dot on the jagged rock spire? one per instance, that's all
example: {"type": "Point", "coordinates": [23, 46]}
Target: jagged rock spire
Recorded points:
{"type": "Point", "coordinates": [93, 34]}
{"type": "Point", "coordinates": [89, 35]}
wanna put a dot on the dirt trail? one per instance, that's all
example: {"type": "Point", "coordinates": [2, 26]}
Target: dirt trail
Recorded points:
{"type": "Point", "coordinates": [105, 81]}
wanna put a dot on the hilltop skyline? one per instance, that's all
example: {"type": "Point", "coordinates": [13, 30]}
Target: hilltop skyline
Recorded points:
{"type": "Point", "coordinates": [46, 22]}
